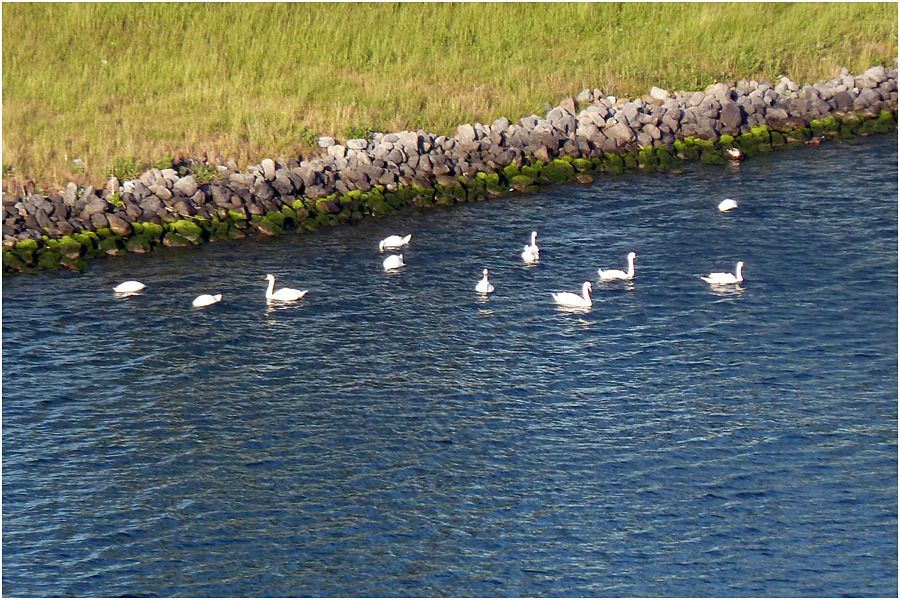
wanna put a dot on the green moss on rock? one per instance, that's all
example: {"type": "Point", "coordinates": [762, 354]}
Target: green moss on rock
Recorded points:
{"type": "Point", "coordinates": [139, 244]}
{"type": "Point", "coordinates": [11, 262]}
{"type": "Point", "coordinates": [48, 259]}
{"type": "Point", "coordinates": [73, 264]}
{"type": "Point", "coordinates": [521, 183]}
{"type": "Point", "coordinates": [188, 230]}
{"type": "Point", "coordinates": [25, 250]}
{"type": "Point", "coordinates": [558, 171]}
{"type": "Point", "coordinates": [70, 248]}
{"type": "Point", "coordinates": [111, 246]}
{"type": "Point", "coordinates": [268, 226]}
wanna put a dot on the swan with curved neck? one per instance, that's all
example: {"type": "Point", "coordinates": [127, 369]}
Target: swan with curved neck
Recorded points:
{"type": "Point", "coordinates": [484, 286]}
{"type": "Point", "coordinates": [532, 253]}
{"type": "Point", "coordinates": [574, 300]}
{"type": "Point", "coordinates": [394, 261]}
{"type": "Point", "coordinates": [393, 242]}
{"type": "Point", "coordinates": [205, 300]}
{"type": "Point", "coordinates": [615, 274]}
{"type": "Point", "coordinates": [129, 287]}
{"type": "Point", "coordinates": [726, 278]}
{"type": "Point", "coordinates": [282, 294]}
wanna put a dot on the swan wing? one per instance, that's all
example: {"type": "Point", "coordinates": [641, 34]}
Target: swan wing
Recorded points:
{"type": "Point", "coordinates": [569, 299]}
{"type": "Point", "coordinates": [720, 278]}
{"type": "Point", "coordinates": [289, 294]}
{"type": "Point", "coordinates": [129, 286]}
{"type": "Point", "coordinates": [612, 274]}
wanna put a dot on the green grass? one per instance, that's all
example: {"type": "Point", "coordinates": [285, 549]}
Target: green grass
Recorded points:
{"type": "Point", "coordinates": [105, 81]}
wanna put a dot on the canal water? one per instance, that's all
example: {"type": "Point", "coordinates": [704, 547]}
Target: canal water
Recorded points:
{"type": "Point", "coordinates": [398, 435]}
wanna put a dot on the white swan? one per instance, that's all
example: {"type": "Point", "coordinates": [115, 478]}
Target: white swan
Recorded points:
{"type": "Point", "coordinates": [393, 241]}
{"type": "Point", "coordinates": [206, 300]}
{"type": "Point", "coordinates": [735, 154]}
{"type": "Point", "coordinates": [574, 300]}
{"type": "Point", "coordinates": [129, 287]}
{"type": "Point", "coordinates": [727, 204]}
{"type": "Point", "coordinates": [282, 294]}
{"type": "Point", "coordinates": [726, 278]}
{"type": "Point", "coordinates": [615, 274]}
{"type": "Point", "coordinates": [394, 261]}
{"type": "Point", "coordinates": [532, 253]}
{"type": "Point", "coordinates": [484, 286]}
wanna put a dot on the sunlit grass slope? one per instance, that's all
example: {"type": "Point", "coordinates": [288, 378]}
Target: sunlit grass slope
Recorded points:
{"type": "Point", "coordinates": [106, 81]}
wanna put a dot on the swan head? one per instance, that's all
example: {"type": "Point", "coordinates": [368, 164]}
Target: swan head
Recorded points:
{"type": "Point", "coordinates": [269, 277]}
{"type": "Point", "coordinates": [632, 256]}
{"type": "Point", "coordinates": [485, 273]}
{"type": "Point", "coordinates": [381, 245]}
{"type": "Point", "coordinates": [587, 288]}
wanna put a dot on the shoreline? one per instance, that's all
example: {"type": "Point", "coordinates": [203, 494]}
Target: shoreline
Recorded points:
{"type": "Point", "coordinates": [576, 140]}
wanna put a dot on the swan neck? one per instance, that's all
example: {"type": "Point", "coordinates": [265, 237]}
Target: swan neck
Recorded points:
{"type": "Point", "coordinates": [270, 287]}
{"type": "Point", "coordinates": [738, 275]}
{"type": "Point", "coordinates": [630, 266]}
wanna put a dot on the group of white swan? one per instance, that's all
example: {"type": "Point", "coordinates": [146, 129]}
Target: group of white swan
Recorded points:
{"type": "Point", "coordinates": [585, 301]}
{"type": "Point", "coordinates": [530, 255]}
{"type": "Point", "coordinates": [131, 287]}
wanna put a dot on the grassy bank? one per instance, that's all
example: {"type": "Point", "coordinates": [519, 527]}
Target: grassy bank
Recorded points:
{"type": "Point", "coordinates": [102, 82]}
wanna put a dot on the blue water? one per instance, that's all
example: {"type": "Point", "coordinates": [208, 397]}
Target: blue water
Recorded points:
{"type": "Point", "coordinates": [395, 435]}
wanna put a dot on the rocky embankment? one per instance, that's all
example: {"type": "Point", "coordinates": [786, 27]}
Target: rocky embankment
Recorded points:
{"type": "Point", "coordinates": [592, 133]}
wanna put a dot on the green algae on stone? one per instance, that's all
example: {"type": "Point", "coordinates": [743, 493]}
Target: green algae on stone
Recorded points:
{"type": "Point", "coordinates": [558, 171]}
{"type": "Point", "coordinates": [70, 248]}
{"type": "Point", "coordinates": [111, 246]}
{"type": "Point", "coordinates": [138, 244]}
{"type": "Point", "coordinates": [188, 230]}
{"type": "Point", "coordinates": [25, 250]}
{"type": "Point", "coordinates": [48, 259]}
{"type": "Point", "coordinates": [11, 262]}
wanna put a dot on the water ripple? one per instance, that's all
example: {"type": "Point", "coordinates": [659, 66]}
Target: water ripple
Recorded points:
{"type": "Point", "coordinates": [397, 435]}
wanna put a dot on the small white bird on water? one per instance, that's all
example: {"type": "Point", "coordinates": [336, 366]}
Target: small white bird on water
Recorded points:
{"type": "Point", "coordinates": [129, 287]}
{"type": "Point", "coordinates": [282, 294]}
{"type": "Point", "coordinates": [393, 241]}
{"type": "Point", "coordinates": [394, 261]}
{"type": "Point", "coordinates": [531, 253]}
{"type": "Point", "coordinates": [206, 300]}
{"type": "Point", "coordinates": [726, 278]}
{"type": "Point", "coordinates": [615, 274]}
{"type": "Point", "coordinates": [727, 204]}
{"type": "Point", "coordinates": [574, 300]}
{"type": "Point", "coordinates": [735, 154]}
{"type": "Point", "coordinates": [484, 286]}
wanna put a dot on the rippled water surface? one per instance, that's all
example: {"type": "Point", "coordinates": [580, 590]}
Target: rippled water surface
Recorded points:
{"type": "Point", "coordinates": [395, 435]}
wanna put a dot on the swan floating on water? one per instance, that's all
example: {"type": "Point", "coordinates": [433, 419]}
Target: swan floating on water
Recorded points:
{"type": "Point", "coordinates": [282, 294]}
{"type": "Point", "coordinates": [484, 286]}
{"type": "Point", "coordinates": [726, 278]}
{"type": "Point", "coordinates": [394, 261]}
{"type": "Point", "coordinates": [735, 154]}
{"type": "Point", "coordinates": [532, 253]}
{"type": "Point", "coordinates": [393, 241]}
{"type": "Point", "coordinates": [615, 274]}
{"type": "Point", "coordinates": [206, 300]}
{"type": "Point", "coordinates": [574, 300]}
{"type": "Point", "coordinates": [129, 287]}
{"type": "Point", "coordinates": [727, 204]}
